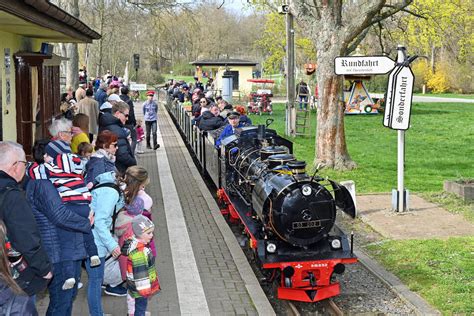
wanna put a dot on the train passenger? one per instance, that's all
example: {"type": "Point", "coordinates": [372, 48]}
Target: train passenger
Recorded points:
{"type": "Point", "coordinates": [211, 119]}
{"type": "Point", "coordinates": [225, 108]}
{"type": "Point", "coordinates": [234, 123]}
{"type": "Point", "coordinates": [115, 122]}
{"type": "Point", "coordinates": [244, 119]}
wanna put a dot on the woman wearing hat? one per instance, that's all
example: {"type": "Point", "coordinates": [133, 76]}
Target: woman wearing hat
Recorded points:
{"type": "Point", "coordinates": [150, 113]}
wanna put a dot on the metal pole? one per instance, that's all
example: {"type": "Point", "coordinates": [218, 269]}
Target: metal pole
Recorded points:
{"type": "Point", "coordinates": [290, 76]}
{"type": "Point", "coordinates": [401, 150]}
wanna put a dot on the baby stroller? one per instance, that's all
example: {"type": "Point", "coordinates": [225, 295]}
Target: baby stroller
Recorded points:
{"type": "Point", "coordinates": [260, 100]}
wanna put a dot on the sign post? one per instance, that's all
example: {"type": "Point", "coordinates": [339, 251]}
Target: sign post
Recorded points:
{"type": "Point", "coordinates": [397, 103]}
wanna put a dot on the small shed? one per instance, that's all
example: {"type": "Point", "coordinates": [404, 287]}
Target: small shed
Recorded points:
{"type": "Point", "coordinates": [29, 72]}
{"type": "Point", "coordinates": [240, 69]}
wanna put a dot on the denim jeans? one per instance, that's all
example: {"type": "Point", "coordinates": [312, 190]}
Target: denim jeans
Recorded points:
{"type": "Point", "coordinates": [303, 101]}
{"type": "Point", "coordinates": [94, 290]}
{"type": "Point", "coordinates": [151, 128]}
{"type": "Point", "coordinates": [140, 306]}
{"type": "Point", "coordinates": [60, 301]}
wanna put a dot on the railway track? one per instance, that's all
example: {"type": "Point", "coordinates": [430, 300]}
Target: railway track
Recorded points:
{"type": "Point", "coordinates": [327, 307]}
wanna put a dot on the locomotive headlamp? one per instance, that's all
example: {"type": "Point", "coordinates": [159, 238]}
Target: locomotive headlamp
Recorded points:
{"type": "Point", "coordinates": [336, 244]}
{"type": "Point", "coordinates": [271, 247]}
{"type": "Point", "coordinates": [306, 190]}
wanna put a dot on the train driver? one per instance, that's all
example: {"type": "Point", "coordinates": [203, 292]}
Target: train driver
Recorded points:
{"type": "Point", "coordinates": [234, 122]}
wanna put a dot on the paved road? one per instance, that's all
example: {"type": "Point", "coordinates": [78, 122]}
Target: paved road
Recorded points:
{"type": "Point", "coordinates": [416, 98]}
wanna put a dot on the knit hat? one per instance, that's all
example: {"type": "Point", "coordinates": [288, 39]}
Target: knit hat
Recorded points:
{"type": "Point", "coordinates": [135, 207]}
{"type": "Point", "coordinates": [57, 147]}
{"type": "Point", "coordinates": [141, 225]}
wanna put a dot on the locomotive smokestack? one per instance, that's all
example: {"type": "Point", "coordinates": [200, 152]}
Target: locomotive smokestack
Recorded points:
{"type": "Point", "coordinates": [261, 132]}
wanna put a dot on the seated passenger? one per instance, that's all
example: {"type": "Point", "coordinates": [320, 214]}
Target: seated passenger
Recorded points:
{"type": "Point", "coordinates": [234, 123]}
{"type": "Point", "coordinates": [211, 119]}
{"type": "Point", "coordinates": [244, 119]}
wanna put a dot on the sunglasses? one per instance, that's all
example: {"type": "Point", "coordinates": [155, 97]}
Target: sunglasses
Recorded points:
{"type": "Point", "coordinates": [203, 102]}
{"type": "Point", "coordinates": [126, 115]}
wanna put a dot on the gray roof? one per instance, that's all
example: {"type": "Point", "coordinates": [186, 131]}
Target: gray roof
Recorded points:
{"type": "Point", "coordinates": [223, 62]}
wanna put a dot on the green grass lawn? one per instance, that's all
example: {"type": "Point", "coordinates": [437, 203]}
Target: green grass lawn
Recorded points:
{"type": "Point", "coordinates": [439, 145]}
{"type": "Point", "coordinates": [442, 271]}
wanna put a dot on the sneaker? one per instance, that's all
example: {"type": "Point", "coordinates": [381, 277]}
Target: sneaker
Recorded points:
{"type": "Point", "coordinates": [79, 285]}
{"type": "Point", "coordinates": [156, 146]}
{"type": "Point", "coordinates": [116, 291]}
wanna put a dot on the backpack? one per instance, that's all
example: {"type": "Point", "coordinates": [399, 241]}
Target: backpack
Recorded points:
{"type": "Point", "coordinates": [304, 89]}
{"type": "Point", "coordinates": [119, 191]}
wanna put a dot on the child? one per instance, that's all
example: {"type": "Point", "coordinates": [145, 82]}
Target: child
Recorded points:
{"type": "Point", "coordinates": [187, 105]}
{"type": "Point", "coordinates": [64, 170]}
{"type": "Point", "coordinates": [140, 137]}
{"type": "Point", "coordinates": [85, 150]}
{"type": "Point", "coordinates": [142, 279]}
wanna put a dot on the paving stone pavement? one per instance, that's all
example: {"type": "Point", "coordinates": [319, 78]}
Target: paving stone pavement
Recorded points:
{"type": "Point", "coordinates": [225, 291]}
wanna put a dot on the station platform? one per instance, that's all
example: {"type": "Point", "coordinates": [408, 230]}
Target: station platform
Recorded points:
{"type": "Point", "coordinates": [201, 267]}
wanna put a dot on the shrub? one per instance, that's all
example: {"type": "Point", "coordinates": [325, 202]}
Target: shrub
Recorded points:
{"type": "Point", "coordinates": [438, 82]}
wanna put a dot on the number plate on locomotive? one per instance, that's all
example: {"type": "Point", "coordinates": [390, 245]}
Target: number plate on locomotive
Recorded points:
{"type": "Point", "coordinates": [305, 225]}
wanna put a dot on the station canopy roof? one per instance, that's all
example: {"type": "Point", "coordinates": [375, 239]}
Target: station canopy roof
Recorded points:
{"type": "Point", "coordinates": [43, 20]}
{"type": "Point", "coordinates": [223, 62]}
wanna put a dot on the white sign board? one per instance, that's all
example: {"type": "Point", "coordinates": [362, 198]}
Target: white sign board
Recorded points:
{"type": "Point", "coordinates": [138, 86]}
{"type": "Point", "coordinates": [399, 98]}
{"type": "Point", "coordinates": [363, 65]}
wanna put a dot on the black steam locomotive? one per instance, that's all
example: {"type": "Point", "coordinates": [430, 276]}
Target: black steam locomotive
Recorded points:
{"type": "Point", "coordinates": [288, 214]}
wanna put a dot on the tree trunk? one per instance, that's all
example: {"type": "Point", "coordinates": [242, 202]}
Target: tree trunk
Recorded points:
{"type": "Point", "coordinates": [330, 149]}
{"type": "Point", "coordinates": [72, 73]}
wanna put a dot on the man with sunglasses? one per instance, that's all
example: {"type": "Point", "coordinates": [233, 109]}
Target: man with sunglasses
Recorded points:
{"type": "Point", "coordinates": [33, 264]}
{"type": "Point", "coordinates": [115, 122]}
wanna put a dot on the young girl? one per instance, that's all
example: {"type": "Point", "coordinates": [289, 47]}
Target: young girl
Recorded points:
{"type": "Point", "coordinates": [85, 150]}
{"type": "Point", "coordinates": [140, 137]}
{"type": "Point", "coordinates": [142, 278]}
{"type": "Point", "coordinates": [135, 180]}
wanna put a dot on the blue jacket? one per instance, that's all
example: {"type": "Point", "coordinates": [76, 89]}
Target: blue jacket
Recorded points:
{"type": "Point", "coordinates": [124, 155]}
{"type": "Point", "coordinates": [52, 217]}
{"type": "Point", "coordinates": [22, 305]}
{"type": "Point", "coordinates": [100, 96]}
{"type": "Point", "coordinates": [227, 131]}
{"type": "Point", "coordinates": [105, 201]}
{"type": "Point", "coordinates": [150, 110]}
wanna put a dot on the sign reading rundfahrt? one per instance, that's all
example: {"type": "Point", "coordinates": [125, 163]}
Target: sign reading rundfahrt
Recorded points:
{"type": "Point", "coordinates": [363, 65]}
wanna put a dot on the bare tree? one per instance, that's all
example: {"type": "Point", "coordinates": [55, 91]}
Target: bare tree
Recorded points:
{"type": "Point", "coordinates": [336, 28]}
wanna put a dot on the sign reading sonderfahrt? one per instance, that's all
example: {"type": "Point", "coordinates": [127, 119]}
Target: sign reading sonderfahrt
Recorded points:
{"type": "Point", "coordinates": [399, 98]}
{"type": "Point", "coordinates": [363, 65]}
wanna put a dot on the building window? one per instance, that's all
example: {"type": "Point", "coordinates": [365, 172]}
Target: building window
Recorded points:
{"type": "Point", "coordinates": [235, 79]}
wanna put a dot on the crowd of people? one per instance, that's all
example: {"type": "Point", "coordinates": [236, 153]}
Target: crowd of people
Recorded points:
{"type": "Point", "coordinates": [209, 112]}
{"type": "Point", "coordinates": [80, 202]}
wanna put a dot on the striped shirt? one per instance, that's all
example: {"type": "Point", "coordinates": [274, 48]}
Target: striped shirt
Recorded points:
{"type": "Point", "coordinates": [66, 174]}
